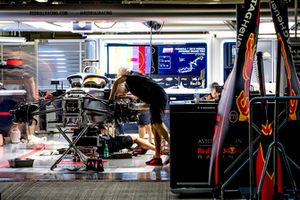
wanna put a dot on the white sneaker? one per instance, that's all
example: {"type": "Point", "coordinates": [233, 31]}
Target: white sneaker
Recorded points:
{"type": "Point", "coordinates": [32, 140]}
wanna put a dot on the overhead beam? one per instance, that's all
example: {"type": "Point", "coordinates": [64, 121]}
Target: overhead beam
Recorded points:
{"type": "Point", "coordinates": [108, 12]}
{"type": "Point", "coordinates": [121, 12]}
{"type": "Point", "coordinates": [183, 2]}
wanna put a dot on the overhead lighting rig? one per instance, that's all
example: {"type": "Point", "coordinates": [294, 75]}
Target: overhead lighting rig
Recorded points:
{"type": "Point", "coordinates": [183, 2]}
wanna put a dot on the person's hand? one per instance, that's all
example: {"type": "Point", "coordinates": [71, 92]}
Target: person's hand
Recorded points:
{"type": "Point", "coordinates": [48, 95]}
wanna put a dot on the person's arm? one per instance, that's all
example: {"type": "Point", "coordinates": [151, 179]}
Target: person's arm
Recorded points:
{"type": "Point", "coordinates": [131, 97]}
{"type": "Point", "coordinates": [120, 80]}
{"type": "Point", "coordinates": [141, 106]}
{"type": "Point", "coordinates": [31, 89]}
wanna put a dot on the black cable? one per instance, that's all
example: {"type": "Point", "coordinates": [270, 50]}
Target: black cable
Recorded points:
{"type": "Point", "coordinates": [105, 27]}
{"type": "Point", "coordinates": [151, 52]}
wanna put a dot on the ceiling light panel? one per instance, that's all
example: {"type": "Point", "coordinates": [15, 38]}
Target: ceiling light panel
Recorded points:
{"type": "Point", "coordinates": [46, 26]}
{"type": "Point", "coordinates": [7, 22]}
{"type": "Point", "coordinates": [12, 39]}
{"type": "Point", "coordinates": [121, 27]}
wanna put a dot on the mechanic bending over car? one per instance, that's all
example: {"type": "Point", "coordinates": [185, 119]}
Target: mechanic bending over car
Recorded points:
{"type": "Point", "coordinates": [153, 95]}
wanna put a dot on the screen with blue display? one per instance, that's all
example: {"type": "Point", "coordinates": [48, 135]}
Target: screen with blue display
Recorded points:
{"type": "Point", "coordinates": [182, 59]}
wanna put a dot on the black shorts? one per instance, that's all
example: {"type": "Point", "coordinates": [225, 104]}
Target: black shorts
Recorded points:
{"type": "Point", "coordinates": [119, 142]}
{"type": "Point", "coordinates": [144, 118]}
{"type": "Point", "coordinates": [157, 114]}
{"type": "Point", "coordinates": [157, 109]}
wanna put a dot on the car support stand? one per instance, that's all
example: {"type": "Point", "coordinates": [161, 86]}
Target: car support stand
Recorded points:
{"type": "Point", "coordinates": [275, 145]}
{"type": "Point", "coordinates": [91, 164]}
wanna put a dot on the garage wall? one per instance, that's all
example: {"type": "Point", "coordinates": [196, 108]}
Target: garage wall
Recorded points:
{"type": "Point", "coordinates": [156, 40]}
{"type": "Point", "coordinates": [215, 66]}
{"type": "Point", "coordinates": [57, 59]}
{"type": "Point", "coordinates": [24, 51]}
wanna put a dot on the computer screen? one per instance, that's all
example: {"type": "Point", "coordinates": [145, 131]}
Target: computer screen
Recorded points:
{"type": "Point", "coordinates": [229, 53]}
{"type": "Point", "coordinates": [133, 57]}
{"type": "Point", "coordinates": [182, 59]}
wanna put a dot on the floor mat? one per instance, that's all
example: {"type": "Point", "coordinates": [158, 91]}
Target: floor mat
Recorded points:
{"type": "Point", "coordinates": [80, 190]}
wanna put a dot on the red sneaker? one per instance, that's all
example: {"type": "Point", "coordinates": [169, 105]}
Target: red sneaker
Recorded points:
{"type": "Point", "coordinates": [155, 162]}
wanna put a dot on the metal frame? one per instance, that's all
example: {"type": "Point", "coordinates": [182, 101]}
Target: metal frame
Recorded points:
{"type": "Point", "coordinates": [72, 145]}
{"type": "Point", "coordinates": [78, 119]}
{"type": "Point", "coordinates": [276, 145]}
{"type": "Point", "coordinates": [252, 152]}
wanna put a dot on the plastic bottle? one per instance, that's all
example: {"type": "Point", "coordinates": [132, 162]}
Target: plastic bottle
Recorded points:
{"type": "Point", "coordinates": [15, 135]}
{"type": "Point", "coordinates": [196, 96]}
{"type": "Point", "coordinates": [106, 151]}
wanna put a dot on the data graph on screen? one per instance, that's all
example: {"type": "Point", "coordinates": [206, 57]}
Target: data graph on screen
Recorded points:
{"type": "Point", "coordinates": [182, 59]}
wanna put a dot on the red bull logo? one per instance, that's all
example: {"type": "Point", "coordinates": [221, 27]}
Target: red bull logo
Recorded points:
{"type": "Point", "coordinates": [242, 103]}
{"type": "Point", "coordinates": [231, 150]}
{"type": "Point", "coordinates": [204, 151]}
{"type": "Point", "coordinates": [267, 129]}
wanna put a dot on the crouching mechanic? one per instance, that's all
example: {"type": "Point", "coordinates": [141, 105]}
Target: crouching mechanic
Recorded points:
{"type": "Point", "coordinates": [152, 94]}
{"type": "Point", "coordinates": [120, 142]}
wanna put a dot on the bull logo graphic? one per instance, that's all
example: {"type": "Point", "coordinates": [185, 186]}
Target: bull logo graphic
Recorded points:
{"type": "Point", "coordinates": [231, 150]}
{"type": "Point", "coordinates": [242, 103]}
{"type": "Point", "coordinates": [267, 129]}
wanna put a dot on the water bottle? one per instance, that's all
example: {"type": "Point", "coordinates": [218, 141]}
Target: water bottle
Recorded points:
{"type": "Point", "coordinates": [15, 135]}
{"type": "Point", "coordinates": [106, 151]}
{"type": "Point", "coordinates": [197, 98]}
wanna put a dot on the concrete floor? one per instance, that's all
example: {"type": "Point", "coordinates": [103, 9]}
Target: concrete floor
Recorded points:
{"type": "Point", "coordinates": [44, 156]}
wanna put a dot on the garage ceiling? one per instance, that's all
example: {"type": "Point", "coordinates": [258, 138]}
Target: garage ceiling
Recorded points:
{"type": "Point", "coordinates": [122, 1]}
{"type": "Point", "coordinates": [124, 16]}
{"type": "Point", "coordinates": [183, 2]}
